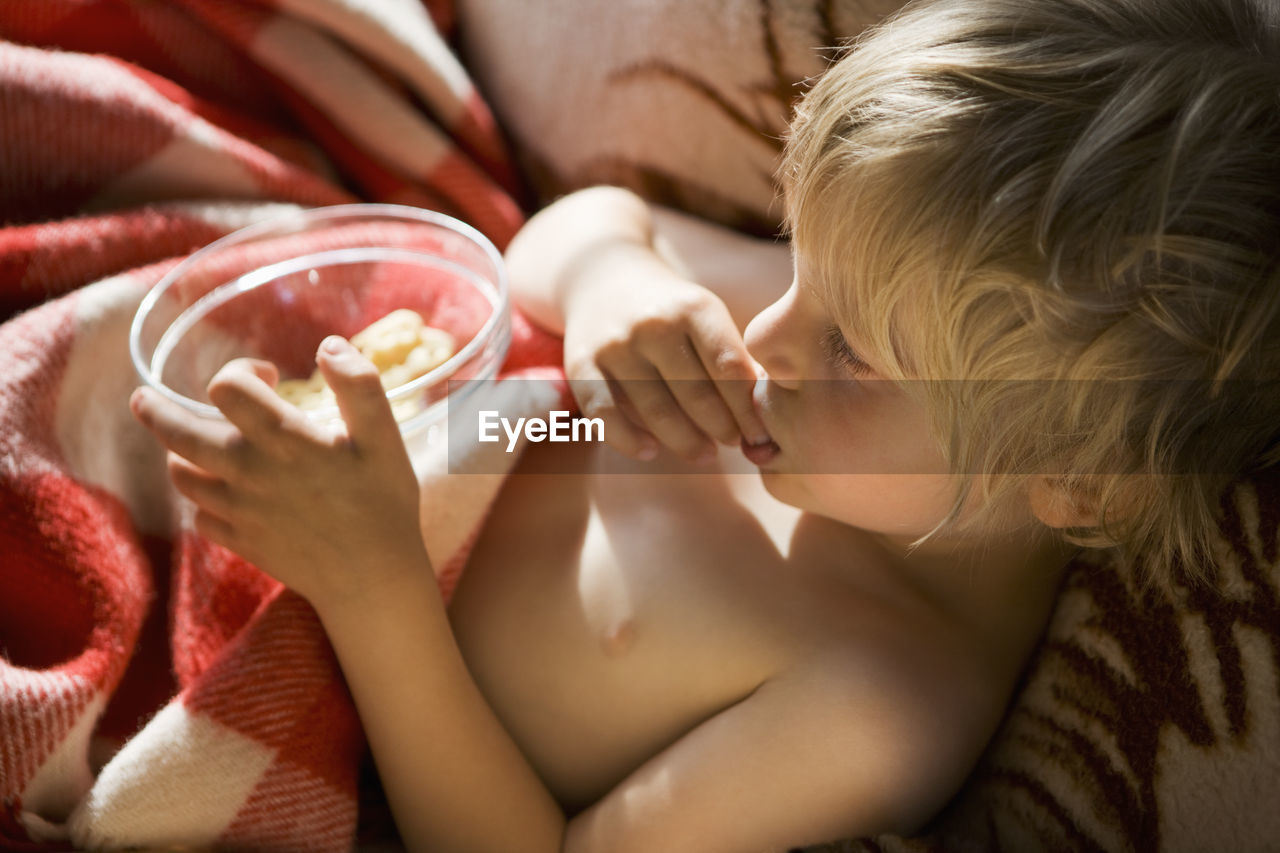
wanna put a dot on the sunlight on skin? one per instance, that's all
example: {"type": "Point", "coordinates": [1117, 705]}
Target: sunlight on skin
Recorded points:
{"type": "Point", "coordinates": [657, 788]}
{"type": "Point", "coordinates": [602, 590]}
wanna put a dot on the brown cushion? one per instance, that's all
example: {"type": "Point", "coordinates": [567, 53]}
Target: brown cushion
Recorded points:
{"type": "Point", "coordinates": [684, 102]}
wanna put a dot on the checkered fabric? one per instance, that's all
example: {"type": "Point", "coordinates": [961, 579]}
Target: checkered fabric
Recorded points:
{"type": "Point", "coordinates": [156, 690]}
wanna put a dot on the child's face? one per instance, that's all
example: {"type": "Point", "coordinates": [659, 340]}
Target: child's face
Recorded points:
{"type": "Point", "coordinates": [853, 447]}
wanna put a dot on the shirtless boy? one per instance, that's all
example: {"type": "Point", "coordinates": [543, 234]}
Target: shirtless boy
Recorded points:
{"type": "Point", "coordinates": [661, 654]}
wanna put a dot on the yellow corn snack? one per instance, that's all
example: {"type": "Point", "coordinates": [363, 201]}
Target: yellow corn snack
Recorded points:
{"type": "Point", "coordinates": [400, 345]}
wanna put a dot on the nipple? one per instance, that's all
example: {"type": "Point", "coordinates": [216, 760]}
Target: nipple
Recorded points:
{"type": "Point", "coordinates": [618, 640]}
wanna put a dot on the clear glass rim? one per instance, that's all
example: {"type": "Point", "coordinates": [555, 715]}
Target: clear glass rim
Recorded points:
{"type": "Point", "coordinates": [306, 216]}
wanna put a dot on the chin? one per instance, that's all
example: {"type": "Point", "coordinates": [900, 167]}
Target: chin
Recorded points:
{"type": "Point", "coordinates": [794, 490]}
{"type": "Point", "coordinates": [787, 488]}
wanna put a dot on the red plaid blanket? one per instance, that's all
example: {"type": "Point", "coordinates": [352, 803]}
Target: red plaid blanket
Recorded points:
{"type": "Point", "coordinates": [154, 689]}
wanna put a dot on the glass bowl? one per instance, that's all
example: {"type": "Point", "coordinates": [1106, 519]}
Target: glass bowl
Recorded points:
{"type": "Point", "coordinates": [276, 289]}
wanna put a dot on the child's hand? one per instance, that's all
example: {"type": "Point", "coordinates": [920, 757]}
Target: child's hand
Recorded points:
{"type": "Point", "coordinates": [693, 375]}
{"type": "Point", "coordinates": [327, 513]}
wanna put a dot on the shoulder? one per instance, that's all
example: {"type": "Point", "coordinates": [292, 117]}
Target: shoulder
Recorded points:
{"type": "Point", "coordinates": [913, 703]}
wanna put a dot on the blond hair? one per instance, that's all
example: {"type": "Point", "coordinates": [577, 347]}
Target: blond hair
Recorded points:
{"type": "Point", "coordinates": [1074, 207]}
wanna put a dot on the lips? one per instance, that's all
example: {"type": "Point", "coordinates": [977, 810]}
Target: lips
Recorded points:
{"type": "Point", "coordinates": [764, 452]}
{"type": "Point", "coordinates": [760, 454]}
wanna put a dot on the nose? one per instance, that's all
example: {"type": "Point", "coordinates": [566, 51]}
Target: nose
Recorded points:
{"type": "Point", "coordinates": [774, 339]}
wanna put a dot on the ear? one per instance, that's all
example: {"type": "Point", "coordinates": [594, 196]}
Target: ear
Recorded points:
{"type": "Point", "coordinates": [1056, 507]}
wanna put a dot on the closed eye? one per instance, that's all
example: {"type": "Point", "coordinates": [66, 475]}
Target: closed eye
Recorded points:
{"type": "Point", "coordinates": [838, 352]}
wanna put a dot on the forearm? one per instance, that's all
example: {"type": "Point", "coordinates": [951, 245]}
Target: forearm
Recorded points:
{"type": "Point", "coordinates": [553, 253]}
{"type": "Point", "coordinates": [562, 245]}
{"type": "Point", "coordinates": [748, 273]}
{"type": "Point", "coordinates": [454, 778]}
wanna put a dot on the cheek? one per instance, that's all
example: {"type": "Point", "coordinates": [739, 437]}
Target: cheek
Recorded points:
{"type": "Point", "coordinates": [864, 432]}
{"type": "Point", "coordinates": [869, 461]}
{"type": "Point", "coordinates": [905, 504]}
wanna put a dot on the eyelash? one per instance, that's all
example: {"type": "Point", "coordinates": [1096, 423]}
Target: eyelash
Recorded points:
{"type": "Point", "coordinates": [837, 349]}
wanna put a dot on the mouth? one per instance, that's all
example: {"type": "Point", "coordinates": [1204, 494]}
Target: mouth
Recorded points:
{"type": "Point", "coordinates": [763, 452]}
{"type": "Point", "coordinates": [760, 454]}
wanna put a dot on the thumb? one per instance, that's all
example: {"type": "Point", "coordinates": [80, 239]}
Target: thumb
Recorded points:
{"type": "Point", "coordinates": [357, 388]}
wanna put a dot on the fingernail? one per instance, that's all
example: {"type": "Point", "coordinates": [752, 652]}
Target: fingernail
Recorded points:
{"type": "Point", "coordinates": [705, 455]}
{"type": "Point", "coordinates": [335, 345]}
{"type": "Point", "coordinates": [648, 452]}
{"type": "Point", "coordinates": [758, 437]}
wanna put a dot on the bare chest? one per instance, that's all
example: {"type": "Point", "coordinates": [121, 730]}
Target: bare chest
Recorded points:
{"type": "Point", "coordinates": [604, 616]}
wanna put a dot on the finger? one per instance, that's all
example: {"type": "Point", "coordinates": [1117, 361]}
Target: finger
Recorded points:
{"type": "Point", "coordinates": [261, 368]}
{"type": "Point", "coordinates": [597, 399]}
{"type": "Point", "coordinates": [210, 444]}
{"type": "Point", "coordinates": [724, 356]}
{"type": "Point", "coordinates": [241, 391]}
{"type": "Point", "coordinates": [206, 491]}
{"type": "Point", "coordinates": [661, 415]}
{"type": "Point", "coordinates": [217, 530]}
{"type": "Point", "coordinates": [694, 391]}
{"type": "Point", "coordinates": [371, 425]}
